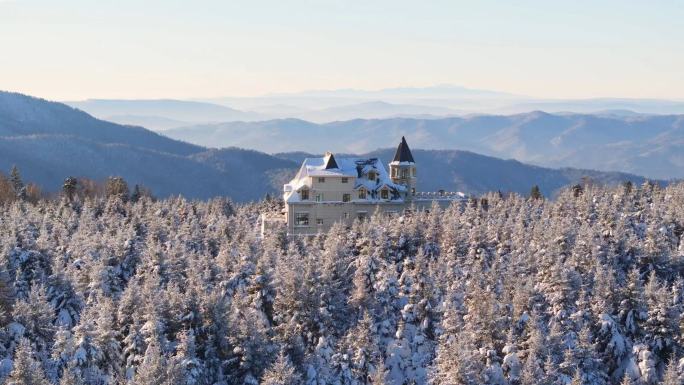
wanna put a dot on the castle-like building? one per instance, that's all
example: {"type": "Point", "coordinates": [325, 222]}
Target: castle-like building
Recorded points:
{"type": "Point", "coordinates": [329, 189]}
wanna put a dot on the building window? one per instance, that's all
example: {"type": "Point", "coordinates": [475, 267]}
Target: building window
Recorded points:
{"type": "Point", "coordinates": [394, 172]}
{"type": "Point", "coordinates": [404, 173]}
{"type": "Point", "coordinates": [413, 170]}
{"type": "Point", "coordinates": [413, 191]}
{"type": "Point", "coordinates": [319, 222]}
{"type": "Point", "coordinates": [345, 215]}
{"type": "Point", "coordinates": [321, 180]}
{"type": "Point", "coordinates": [319, 197]}
{"type": "Point", "coordinates": [361, 215]}
{"type": "Point", "coordinates": [301, 219]}
{"type": "Point", "coordinates": [305, 194]}
{"type": "Point", "coordinates": [371, 175]}
{"type": "Point", "coordinates": [391, 213]}
{"type": "Point", "coordinates": [346, 197]}
{"type": "Point", "coordinates": [345, 180]}
{"type": "Point", "coordinates": [362, 194]}
{"type": "Point", "coordinates": [384, 194]}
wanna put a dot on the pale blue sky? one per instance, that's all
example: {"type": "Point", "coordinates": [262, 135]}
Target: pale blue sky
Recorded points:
{"type": "Point", "coordinates": [75, 49]}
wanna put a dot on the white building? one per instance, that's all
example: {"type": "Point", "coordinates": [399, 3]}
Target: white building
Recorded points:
{"type": "Point", "coordinates": [328, 190]}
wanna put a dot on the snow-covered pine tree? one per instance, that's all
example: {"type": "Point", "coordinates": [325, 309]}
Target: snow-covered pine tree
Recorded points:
{"type": "Point", "coordinates": [153, 369]}
{"type": "Point", "coordinates": [27, 370]}
{"type": "Point", "coordinates": [32, 319]}
{"type": "Point", "coordinates": [17, 183]}
{"type": "Point", "coordinates": [190, 366]}
{"type": "Point", "coordinates": [671, 375]}
{"type": "Point", "coordinates": [281, 372]}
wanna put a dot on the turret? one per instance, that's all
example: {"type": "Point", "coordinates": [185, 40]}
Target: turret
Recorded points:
{"type": "Point", "coordinates": [403, 169]}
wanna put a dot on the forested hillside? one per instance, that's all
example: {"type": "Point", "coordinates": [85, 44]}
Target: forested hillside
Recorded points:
{"type": "Point", "coordinates": [50, 141]}
{"type": "Point", "coordinates": [583, 289]}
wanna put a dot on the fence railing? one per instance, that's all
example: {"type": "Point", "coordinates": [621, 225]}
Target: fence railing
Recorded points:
{"type": "Point", "coordinates": [440, 195]}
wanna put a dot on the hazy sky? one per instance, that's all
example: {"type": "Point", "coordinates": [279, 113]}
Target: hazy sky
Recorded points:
{"type": "Point", "coordinates": [75, 49]}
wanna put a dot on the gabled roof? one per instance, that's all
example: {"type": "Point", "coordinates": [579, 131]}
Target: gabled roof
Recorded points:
{"type": "Point", "coordinates": [403, 153]}
{"type": "Point", "coordinates": [330, 162]}
{"type": "Point", "coordinates": [324, 167]}
{"type": "Point", "coordinates": [357, 168]}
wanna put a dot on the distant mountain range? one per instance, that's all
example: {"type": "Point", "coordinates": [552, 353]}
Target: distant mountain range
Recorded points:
{"type": "Point", "coordinates": [444, 96]}
{"type": "Point", "coordinates": [650, 145]}
{"type": "Point", "coordinates": [347, 104]}
{"type": "Point", "coordinates": [49, 141]}
{"type": "Point", "coordinates": [444, 91]}
{"type": "Point", "coordinates": [163, 113]}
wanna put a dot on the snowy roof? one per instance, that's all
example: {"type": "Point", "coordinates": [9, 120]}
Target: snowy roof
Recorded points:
{"type": "Point", "coordinates": [330, 162]}
{"type": "Point", "coordinates": [320, 167]}
{"type": "Point", "coordinates": [357, 168]}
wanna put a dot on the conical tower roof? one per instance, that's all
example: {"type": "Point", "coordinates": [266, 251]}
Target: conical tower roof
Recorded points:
{"type": "Point", "coordinates": [403, 153]}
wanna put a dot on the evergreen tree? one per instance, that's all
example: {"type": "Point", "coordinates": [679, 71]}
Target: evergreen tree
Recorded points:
{"type": "Point", "coordinates": [27, 370]}
{"type": "Point", "coordinates": [35, 315]}
{"type": "Point", "coordinates": [671, 375]}
{"type": "Point", "coordinates": [117, 187]}
{"type": "Point", "coordinates": [152, 370]}
{"type": "Point", "coordinates": [136, 194]}
{"type": "Point", "coordinates": [69, 187]}
{"type": "Point", "coordinates": [71, 376]}
{"type": "Point", "coordinates": [281, 373]}
{"type": "Point", "coordinates": [535, 193]}
{"type": "Point", "coordinates": [6, 298]}
{"type": "Point", "coordinates": [633, 309]}
{"type": "Point", "coordinates": [191, 368]}
{"type": "Point", "coordinates": [17, 183]}
{"type": "Point", "coordinates": [627, 380]}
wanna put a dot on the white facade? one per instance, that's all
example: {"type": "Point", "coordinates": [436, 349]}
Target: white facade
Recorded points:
{"type": "Point", "coordinates": [328, 190]}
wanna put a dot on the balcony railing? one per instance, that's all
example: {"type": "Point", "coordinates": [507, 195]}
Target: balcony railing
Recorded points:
{"type": "Point", "coordinates": [439, 195]}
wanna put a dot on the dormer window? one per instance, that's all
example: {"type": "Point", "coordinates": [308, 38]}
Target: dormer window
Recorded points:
{"type": "Point", "coordinates": [321, 180]}
{"type": "Point", "coordinates": [384, 193]}
{"type": "Point", "coordinates": [362, 193]}
{"type": "Point", "coordinates": [372, 175]}
{"type": "Point", "coordinates": [304, 194]}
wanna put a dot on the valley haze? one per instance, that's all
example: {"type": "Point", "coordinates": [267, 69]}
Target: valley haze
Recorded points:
{"type": "Point", "coordinates": [642, 136]}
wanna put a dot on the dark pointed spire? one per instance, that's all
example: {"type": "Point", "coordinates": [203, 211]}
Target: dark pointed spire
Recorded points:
{"type": "Point", "coordinates": [403, 153]}
{"type": "Point", "coordinates": [330, 161]}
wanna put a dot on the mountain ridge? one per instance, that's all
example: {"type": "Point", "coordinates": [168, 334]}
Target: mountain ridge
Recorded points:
{"type": "Point", "coordinates": [49, 141]}
{"type": "Point", "coordinates": [191, 112]}
{"type": "Point", "coordinates": [649, 145]}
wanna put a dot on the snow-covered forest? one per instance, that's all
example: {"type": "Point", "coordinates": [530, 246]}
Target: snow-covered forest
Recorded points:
{"type": "Point", "coordinates": [586, 288]}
